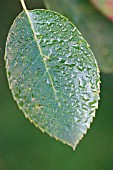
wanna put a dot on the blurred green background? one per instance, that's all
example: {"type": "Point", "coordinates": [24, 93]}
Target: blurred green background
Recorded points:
{"type": "Point", "coordinates": [23, 147]}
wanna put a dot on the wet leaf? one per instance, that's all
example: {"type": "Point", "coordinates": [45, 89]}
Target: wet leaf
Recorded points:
{"type": "Point", "coordinates": [105, 6]}
{"type": "Point", "coordinates": [53, 74]}
{"type": "Point", "coordinates": [96, 29]}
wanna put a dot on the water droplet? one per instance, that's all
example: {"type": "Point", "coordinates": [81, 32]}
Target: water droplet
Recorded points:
{"type": "Point", "coordinates": [48, 81]}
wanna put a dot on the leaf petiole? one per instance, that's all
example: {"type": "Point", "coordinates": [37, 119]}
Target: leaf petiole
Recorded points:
{"type": "Point", "coordinates": [23, 5]}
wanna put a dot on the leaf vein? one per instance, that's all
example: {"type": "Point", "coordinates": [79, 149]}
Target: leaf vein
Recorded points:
{"type": "Point", "coordinates": [42, 55]}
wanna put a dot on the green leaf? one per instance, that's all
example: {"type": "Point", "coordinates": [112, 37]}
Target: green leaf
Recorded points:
{"type": "Point", "coordinates": [53, 74]}
{"type": "Point", "coordinates": [95, 28]}
{"type": "Point", "coordinates": [105, 6]}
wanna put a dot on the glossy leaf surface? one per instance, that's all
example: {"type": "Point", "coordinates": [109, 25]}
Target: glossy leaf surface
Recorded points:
{"type": "Point", "coordinates": [95, 28]}
{"type": "Point", "coordinates": [53, 74]}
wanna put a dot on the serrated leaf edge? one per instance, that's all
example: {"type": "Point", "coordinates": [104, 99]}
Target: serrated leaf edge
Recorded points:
{"type": "Point", "coordinates": [36, 125]}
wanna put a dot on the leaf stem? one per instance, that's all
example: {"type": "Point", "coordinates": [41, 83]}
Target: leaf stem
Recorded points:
{"type": "Point", "coordinates": [23, 5]}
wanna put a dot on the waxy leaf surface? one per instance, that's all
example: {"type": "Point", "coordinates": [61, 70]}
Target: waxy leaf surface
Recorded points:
{"type": "Point", "coordinates": [96, 29]}
{"type": "Point", "coordinates": [53, 74]}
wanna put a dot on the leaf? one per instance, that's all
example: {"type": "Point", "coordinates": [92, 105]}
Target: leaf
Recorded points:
{"type": "Point", "coordinates": [105, 6]}
{"type": "Point", "coordinates": [95, 28]}
{"type": "Point", "coordinates": [53, 74]}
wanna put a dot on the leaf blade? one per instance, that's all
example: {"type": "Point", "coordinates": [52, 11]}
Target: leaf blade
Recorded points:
{"type": "Point", "coordinates": [95, 28]}
{"type": "Point", "coordinates": [44, 81]}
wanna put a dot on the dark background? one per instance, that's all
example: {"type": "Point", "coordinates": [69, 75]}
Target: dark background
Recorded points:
{"type": "Point", "coordinates": [23, 147]}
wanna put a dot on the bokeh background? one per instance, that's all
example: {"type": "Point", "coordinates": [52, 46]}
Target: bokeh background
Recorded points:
{"type": "Point", "coordinates": [23, 147]}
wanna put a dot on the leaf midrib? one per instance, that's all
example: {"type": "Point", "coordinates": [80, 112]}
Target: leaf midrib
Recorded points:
{"type": "Point", "coordinates": [42, 55]}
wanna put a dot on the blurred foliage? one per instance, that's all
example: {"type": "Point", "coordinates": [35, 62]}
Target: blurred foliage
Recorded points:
{"type": "Point", "coordinates": [96, 29]}
{"type": "Point", "coordinates": [23, 147]}
{"type": "Point", "coordinates": [105, 6]}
